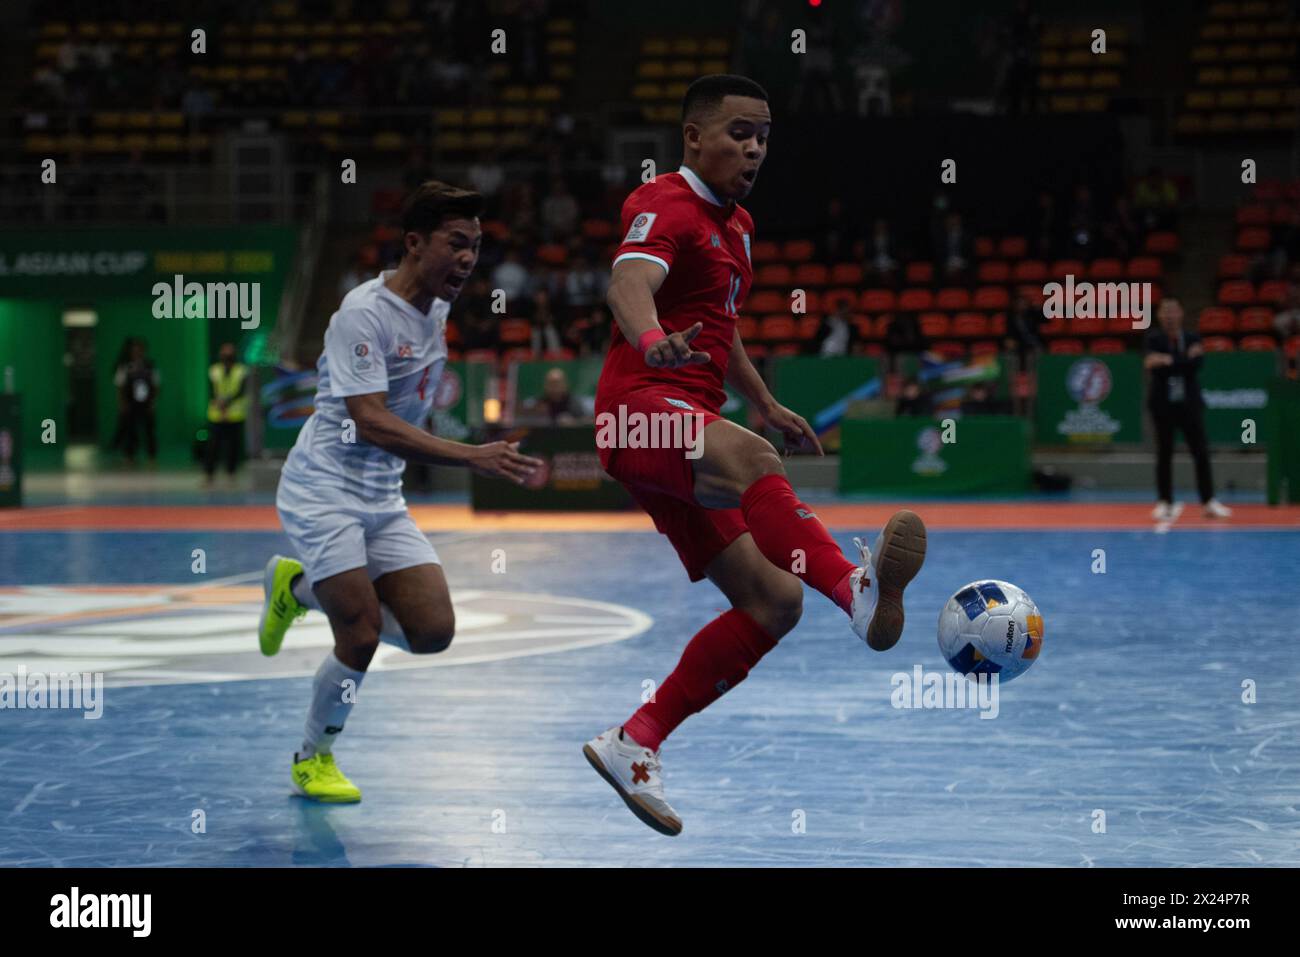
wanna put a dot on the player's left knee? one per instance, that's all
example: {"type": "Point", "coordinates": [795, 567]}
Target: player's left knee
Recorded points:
{"type": "Point", "coordinates": [782, 607]}
{"type": "Point", "coordinates": [433, 637]}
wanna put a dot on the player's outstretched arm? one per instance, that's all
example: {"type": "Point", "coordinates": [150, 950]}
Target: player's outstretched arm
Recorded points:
{"type": "Point", "coordinates": [380, 427]}
{"type": "Point", "coordinates": [744, 378]}
{"type": "Point", "coordinates": [631, 299]}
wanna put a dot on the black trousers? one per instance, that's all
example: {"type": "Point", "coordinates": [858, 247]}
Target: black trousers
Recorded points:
{"type": "Point", "coordinates": [227, 437]}
{"type": "Point", "coordinates": [139, 418]}
{"type": "Point", "coordinates": [1190, 420]}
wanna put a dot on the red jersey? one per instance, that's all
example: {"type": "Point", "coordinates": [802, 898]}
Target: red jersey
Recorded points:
{"type": "Point", "coordinates": [703, 245]}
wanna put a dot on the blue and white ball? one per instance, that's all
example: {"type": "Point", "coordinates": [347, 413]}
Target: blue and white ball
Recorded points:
{"type": "Point", "coordinates": [990, 627]}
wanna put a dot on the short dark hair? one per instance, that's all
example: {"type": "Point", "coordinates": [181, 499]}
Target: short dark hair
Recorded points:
{"type": "Point", "coordinates": [705, 94]}
{"type": "Point", "coordinates": [433, 203]}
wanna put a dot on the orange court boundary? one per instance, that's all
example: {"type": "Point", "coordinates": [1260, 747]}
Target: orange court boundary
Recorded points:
{"type": "Point", "coordinates": [939, 516]}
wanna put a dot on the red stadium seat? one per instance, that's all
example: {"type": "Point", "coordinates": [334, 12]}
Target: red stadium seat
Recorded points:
{"type": "Point", "coordinates": [765, 251]}
{"type": "Point", "coordinates": [1258, 344]}
{"type": "Point", "coordinates": [1054, 328]}
{"type": "Point", "coordinates": [597, 229]}
{"type": "Point", "coordinates": [919, 273]}
{"type": "Point", "coordinates": [877, 300]}
{"type": "Point", "coordinates": [806, 327]}
{"type": "Point", "coordinates": [1029, 270]}
{"type": "Point", "coordinates": [748, 327]}
{"type": "Point", "coordinates": [1145, 267]}
{"type": "Point", "coordinates": [1218, 344]}
{"type": "Point", "coordinates": [1274, 291]}
{"type": "Point", "coordinates": [1066, 267]}
{"type": "Point", "coordinates": [1068, 347]}
{"type": "Point", "coordinates": [953, 300]}
{"type": "Point", "coordinates": [496, 229]}
{"type": "Point", "coordinates": [1216, 319]}
{"type": "Point", "coordinates": [871, 349]}
{"type": "Point", "coordinates": [515, 332]}
{"type": "Point", "coordinates": [934, 325]}
{"type": "Point", "coordinates": [970, 325]}
{"type": "Point", "coordinates": [774, 274]}
{"type": "Point", "coordinates": [984, 348]}
{"type": "Point", "coordinates": [846, 274]}
{"type": "Point", "coordinates": [949, 349]}
{"type": "Point", "coordinates": [1233, 266]}
{"type": "Point", "coordinates": [797, 250]}
{"type": "Point", "coordinates": [755, 350]}
{"type": "Point", "coordinates": [787, 349]}
{"type": "Point", "coordinates": [1161, 244]}
{"type": "Point", "coordinates": [832, 299]}
{"type": "Point", "coordinates": [1236, 292]}
{"type": "Point", "coordinates": [984, 247]}
{"type": "Point", "coordinates": [1255, 319]}
{"type": "Point", "coordinates": [1252, 239]}
{"type": "Point", "coordinates": [558, 355]}
{"type": "Point", "coordinates": [453, 334]}
{"type": "Point", "coordinates": [481, 355]}
{"type": "Point", "coordinates": [810, 274]}
{"type": "Point", "coordinates": [994, 270]}
{"type": "Point", "coordinates": [553, 254]}
{"type": "Point", "coordinates": [776, 328]}
{"type": "Point", "coordinates": [998, 324]}
{"type": "Point", "coordinates": [1106, 346]}
{"type": "Point", "coordinates": [768, 300]}
{"type": "Point", "coordinates": [1087, 327]}
{"type": "Point", "coordinates": [915, 300]}
{"type": "Point", "coordinates": [518, 354]}
{"type": "Point", "coordinates": [812, 301]}
{"type": "Point", "coordinates": [1119, 326]}
{"type": "Point", "coordinates": [1013, 247]}
{"type": "Point", "coordinates": [1254, 214]}
{"type": "Point", "coordinates": [991, 297]}
{"type": "Point", "coordinates": [1103, 270]}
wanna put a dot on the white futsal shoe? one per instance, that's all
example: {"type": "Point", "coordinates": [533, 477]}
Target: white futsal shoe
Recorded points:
{"type": "Point", "coordinates": [1216, 509]}
{"type": "Point", "coordinates": [1167, 511]}
{"type": "Point", "coordinates": [877, 586]}
{"type": "Point", "coordinates": [634, 772]}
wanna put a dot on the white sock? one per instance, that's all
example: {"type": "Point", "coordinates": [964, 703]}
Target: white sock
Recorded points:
{"type": "Point", "coordinates": [302, 591]}
{"type": "Point", "coordinates": [331, 703]}
{"type": "Point", "coordinates": [390, 632]}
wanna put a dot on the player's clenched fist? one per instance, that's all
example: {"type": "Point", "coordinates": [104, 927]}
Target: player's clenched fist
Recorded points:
{"type": "Point", "coordinates": [675, 350]}
{"type": "Point", "coordinates": [504, 460]}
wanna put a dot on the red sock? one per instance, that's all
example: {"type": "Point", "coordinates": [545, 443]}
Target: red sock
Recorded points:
{"type": "Point", "coordinates": [717, 659]}
{"type": "Point", "coordinates": [780, 524]}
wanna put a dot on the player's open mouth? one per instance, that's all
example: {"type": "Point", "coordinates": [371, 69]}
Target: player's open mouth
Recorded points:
{"type": "Point", "coordinates": [749, 175]}
{"type": "Point", "coordinates": [456, 280]}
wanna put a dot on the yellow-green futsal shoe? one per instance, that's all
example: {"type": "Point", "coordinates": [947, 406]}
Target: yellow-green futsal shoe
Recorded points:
{"type": "Point", "coordinates": [279, 609]}
{"type": "Point", "coordinates": [319, 779]}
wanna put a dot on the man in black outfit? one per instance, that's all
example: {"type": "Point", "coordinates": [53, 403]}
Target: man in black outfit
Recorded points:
{"type": "Point", "coordinates": [1174, 358]}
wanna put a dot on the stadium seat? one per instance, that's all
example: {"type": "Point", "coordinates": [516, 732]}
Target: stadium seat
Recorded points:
{"type": "Point", "coordinates": [1161, 243]}
{"type": "Point", "coordinates": [1272, 291]}
{"type": "Point", "coordinates": [1253, 214]}
{"type": "Point", "coordinates": [797, 250]}
{"type": "Point", "coordinates": [1145, 267]}
{"type": "Point", "coordinates": [991, 297]}
{"type": "Point", "coordinates": [952, 300]}
{"type": "Point", "coordinates": [1218, 344]}
{"type": "Point", "coordinates": [993, 271]}
{"type": "Point", "coordinates": [970, 325]}
{"type": "Point", "coordinates": [481, 355]}
{"type": "Point", "coordinates": [984, 348]}
{"type": "Point", "coordinates": [774, 274]}
{"type": "Point", "coordinates": [1087, 327]}
{"type": "Point", "coordinates": [845, 274]}
{"type": "Point", "coordinates": [919, 273]}
{"type": "Point", "coordinates": [518, 354]}
{"type": "Point", "coordinates": [915, 300]}
{"type": "Point", "coordinates": [934, 325]}
{"type": "Point", "coordinates": [515, 331]}
{"type": "Point", "coordinates": [1236, 292]}
{"type": "Point", "coordinates": [1233, 266]}
{"type": "Point", "coordinates": [806, 327]}
{"type": "Point", "coordinates": [833, 299]}
{"type": "Point", "coordinates": [1103, 270]}
{"type": "Point", "coordinates": [1066, 267]}
{"type": "Point", "coordinates": [949, 349]}
{"type": "Point", "coordinates": [877, 300]}
{"type": "Point", "coordinates": [765, 251]}
{"type": "Point", "coordinates": [1012, 247]}
{"type": "Point", "coordinates": [874, 349]}
{"type": "Point", "coordinates": [1255, 319]}
{"type": "Point", "coordinates": [1106, 346]}
{"type": "Point", "coordinates": [776, 328]}
{"type": "Point", "coordinates": [1252, 239]}
{"type": "Point", "coordinates": [984, 247]}
{"type": "Point", "coordinates": [811, 274]}
{"type": "Point", "coordinates": [812, 301]}
{"type": "Point", "coordinates": [755, 350]}
{"type": "Point", "coordinates": [1029, 270]}
{"type": "Point", "coordinates": [1258, 344]}
{"type": "Point", "coordinates": [768, 301]}
{"type": "Point", "coordinates": [1216, 319]}
{"type": "Point", "coordinates": [1059, 347]}
{"type": "Point", "coordinates": [998, 324]}
{"type": "Point", "coordinates": [747, 326]}
{"type": "Point", "coordinates": [787, 349]}
{"type": "Point", "coordinates": [553, 254]}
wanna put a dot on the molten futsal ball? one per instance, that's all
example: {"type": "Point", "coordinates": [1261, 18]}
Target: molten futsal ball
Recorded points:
{"type": "Point", "coordinates": [990, 627]}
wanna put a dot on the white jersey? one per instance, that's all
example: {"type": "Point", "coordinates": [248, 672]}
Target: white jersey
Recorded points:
{"type": "Point", "coordinates": [375, 342]}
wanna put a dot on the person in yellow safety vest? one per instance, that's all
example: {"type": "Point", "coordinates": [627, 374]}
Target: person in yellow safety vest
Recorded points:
{"type": "Point", "coordinates": [227, 410]}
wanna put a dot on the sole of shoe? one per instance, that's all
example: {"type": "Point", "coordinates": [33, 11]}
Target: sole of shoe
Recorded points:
{"type": "Point", "coordinates": [323, 800]}
{"type": "Point", "coordinates": [646, 816]}
{"type": "Point", "coordinates": [902, 553]}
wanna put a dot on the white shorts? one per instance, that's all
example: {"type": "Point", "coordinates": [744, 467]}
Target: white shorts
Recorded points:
{"type": "Point", "coordinates": [333, 532]}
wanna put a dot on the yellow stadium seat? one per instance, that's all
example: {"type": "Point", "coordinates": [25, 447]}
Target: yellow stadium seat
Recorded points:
{"type": "Point", "coordinates": [649, 70]}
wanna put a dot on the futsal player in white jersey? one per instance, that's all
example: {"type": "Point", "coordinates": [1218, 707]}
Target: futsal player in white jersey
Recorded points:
{"type": "Point", "coordinates": [361, 558]}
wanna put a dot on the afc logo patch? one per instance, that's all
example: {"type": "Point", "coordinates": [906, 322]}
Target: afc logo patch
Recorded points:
{"type": "Point", "coordinates": [360, 350]}
{"type": "Point", "coordinates": [360, 357]}
{"type": "Point", "coordinates": [640, 228]}
{"type": "Point", "coordinates": [404, 351]}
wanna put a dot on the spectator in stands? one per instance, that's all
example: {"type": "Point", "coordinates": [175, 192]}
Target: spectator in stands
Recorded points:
{"type": "Point", "coordinates": [1173, 359]}
{"type": "Point", "coordinates": [835, 334]}
{"type": "Point", "coordinates": [486, 176]}
{"type": "Point", "coordinates": [227, 411]}
{"type": "Point", "coordinates": [1024, 323]}
{"type": "Point", "coordinates": [1044, 232]}
{"type": "Point", "coordinates": [881, 264]}
{"type": "Point", "coordinates": [980, 400]}
{"type": "Point", "coordinates": [952, 251]}
{"type": "Point", "coordinates": [353, 276]}
{"type": "Point", "coordinates": [560, 212]}
{"type": "Point", "coordinates": [1287, 319]}
{"type": "Point", "coordinates": [1155, 198]}
{"type": "Point", "coordinates": [1019, 72]}
{"type": "Point", "coordinates": [1083, 223]}
{"type": "Point", "coordinates": [138, 384]}
{"type": "Point", "coordinates": [546, 336]}
{"type": "Point", "coordinates": [912, 400]}
{"type": "Point", "coordinates": [588, 334]}
{"type": "Point", "coordinates": [1123, 231]}
{"type": "Point", "coordinates": [835, 237]}
{"type": "Point", "coordinates": [1284, 249]}
{"type": "Point", "coordinates": [511, 277]}
{"type": "Point", "coordinates": [584, 286]}
{"type": "Point", "coordinates": [817, 90]}
{"type": "Point", "coordinates": [903, 335]}
{"type": "Point", "coordinates": [557, 405]}
{"type": "Point", "coordinates": [519, 210]}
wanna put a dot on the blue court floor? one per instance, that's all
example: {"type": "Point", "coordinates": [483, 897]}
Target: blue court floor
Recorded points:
{"type": "Point", "coordinates": [1134, 709]}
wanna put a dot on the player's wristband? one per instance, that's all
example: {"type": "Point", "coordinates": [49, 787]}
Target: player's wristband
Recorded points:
{"type": "Point", "coordinates": [649, 338]}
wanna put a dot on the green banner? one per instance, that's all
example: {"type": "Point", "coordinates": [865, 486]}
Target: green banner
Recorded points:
{"type": "Point", "coordinates": [824, 389]}
{"type": "Point", "coordinates": [918, 456]}
{"type": "Point", "coordinates": [1284, 457]}
{"type": "Point", "coordinates": [1235, 387]}
{"type": "Point", "coordinates": [11, 451]}
{"type": "Point", "coordinates": [1089, 400]}
{"type": "Point", "coordinates": [571, 480]}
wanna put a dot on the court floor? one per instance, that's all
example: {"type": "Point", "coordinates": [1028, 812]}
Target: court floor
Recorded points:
{"type": "Point", "coordinates": [1135, 708]}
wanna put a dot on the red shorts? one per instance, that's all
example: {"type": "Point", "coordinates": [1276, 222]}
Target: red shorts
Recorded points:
{"type": "Point", "coordinates": [662, 480]}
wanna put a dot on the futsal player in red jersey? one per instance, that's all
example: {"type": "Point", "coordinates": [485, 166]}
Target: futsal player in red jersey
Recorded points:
{"type": "Point", "coordinates": [679, 278]}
